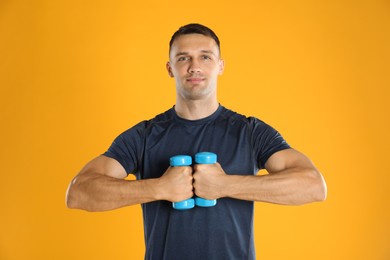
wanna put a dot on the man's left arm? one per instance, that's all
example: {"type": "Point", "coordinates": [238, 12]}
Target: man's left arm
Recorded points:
{"type": "Point", "coordinates": [292, 180]}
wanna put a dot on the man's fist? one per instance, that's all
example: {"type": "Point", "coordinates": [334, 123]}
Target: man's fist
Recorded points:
{"type": "Point", "coordinates": [208, 181]}
{"type": "Point", "coordinates": [176, 184]}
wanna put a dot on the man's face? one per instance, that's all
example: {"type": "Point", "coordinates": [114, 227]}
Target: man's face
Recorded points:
{"type": "Point", "coordinates": [195, 64]}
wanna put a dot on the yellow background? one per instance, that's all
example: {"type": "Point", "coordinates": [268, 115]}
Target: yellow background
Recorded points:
{"type": "Point", "coordinates": [75, 74]}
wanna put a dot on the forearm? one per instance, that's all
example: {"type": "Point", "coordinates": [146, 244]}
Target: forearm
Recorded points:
{"type": "Point", "coordinates": [97, 192]}
{"type": "Point", "coordinates": [289, 187]}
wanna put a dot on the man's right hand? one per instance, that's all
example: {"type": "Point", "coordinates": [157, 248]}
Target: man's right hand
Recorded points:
{"type": "Point", "coordinates": [176, 184]}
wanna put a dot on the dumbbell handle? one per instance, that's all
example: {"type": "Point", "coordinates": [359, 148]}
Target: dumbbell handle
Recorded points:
{"type": "Point", "coordinates": [205, 158]}
{"type": "Point", "coordinates": [177, 161]}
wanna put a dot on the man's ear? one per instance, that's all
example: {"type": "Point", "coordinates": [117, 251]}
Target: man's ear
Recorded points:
{"type": "Point", "coordinates": [221, 66]}
{"type": "Point", "coordinates": [169, 69]}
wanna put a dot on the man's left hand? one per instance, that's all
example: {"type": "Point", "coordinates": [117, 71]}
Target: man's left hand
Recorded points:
{"type": "Point", "coordinates": [208, 181]}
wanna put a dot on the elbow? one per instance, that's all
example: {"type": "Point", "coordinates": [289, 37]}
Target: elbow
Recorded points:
{"type": "Point", "coordinates": [71, 200]}
{"type": "Point", "coordinates": [76, 198]}
{"type": "Point", "coordinates": [319, 188]}
{"type": "Point", "coordinates": [70, 204]}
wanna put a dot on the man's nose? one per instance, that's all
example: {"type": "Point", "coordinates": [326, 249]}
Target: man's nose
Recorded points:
{"type": "Point", "coordinates": [194, 67]}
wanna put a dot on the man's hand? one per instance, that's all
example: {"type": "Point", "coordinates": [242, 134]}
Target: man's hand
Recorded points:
{"type": "Point", "coordinates": [176, 184]}
{"type": "Point", "coordinates": [208, 181]}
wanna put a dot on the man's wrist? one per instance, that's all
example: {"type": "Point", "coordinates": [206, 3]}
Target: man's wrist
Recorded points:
{"type": "Point", "coordinates": [226, 186]}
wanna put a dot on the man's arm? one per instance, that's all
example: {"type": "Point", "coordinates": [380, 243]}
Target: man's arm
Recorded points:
{"type": "Point", "coordinates": [101, 186]}
{"type": "Point", "coordinates": [292, 180]}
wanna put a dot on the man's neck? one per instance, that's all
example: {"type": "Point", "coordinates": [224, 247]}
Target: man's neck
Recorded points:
{"type": "Point", "coordinates": [195, 109]}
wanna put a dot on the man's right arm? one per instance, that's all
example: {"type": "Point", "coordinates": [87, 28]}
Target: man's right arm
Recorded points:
{"type": "Point", "coordinates": [101, 186]}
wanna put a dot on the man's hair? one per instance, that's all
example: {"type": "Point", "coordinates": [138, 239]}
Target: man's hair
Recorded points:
{"type": "Point", "coordinates": [194, 28]}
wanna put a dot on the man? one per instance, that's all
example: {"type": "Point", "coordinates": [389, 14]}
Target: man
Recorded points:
{"type": "Point", "coordinates": [197, 123]}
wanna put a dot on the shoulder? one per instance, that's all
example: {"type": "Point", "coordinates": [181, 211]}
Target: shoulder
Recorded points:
{"type": "Point", "coordinates": [230, 115]}
{"type": "Point", "coordinates": [144, 126]}
{"type": "Point", "coordinates": [235, 117]}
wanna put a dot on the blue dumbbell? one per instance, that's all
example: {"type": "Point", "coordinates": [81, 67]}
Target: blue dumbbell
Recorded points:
{"type": "Point", "coordinates": [205, 158]}
{"type": "Point", "coordinates": [182, 160]}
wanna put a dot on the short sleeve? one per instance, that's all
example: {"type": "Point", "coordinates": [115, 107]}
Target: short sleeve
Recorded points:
{"type": "Point", "coordinates": [266, 141]}
{"type": "Point", "coordinates": [128, 148]}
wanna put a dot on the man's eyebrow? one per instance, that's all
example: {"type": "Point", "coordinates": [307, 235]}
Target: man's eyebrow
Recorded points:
{"type": "Point", "coordinates": [181, 53]}
{"type": "Point", "coordinates": [202, 51]}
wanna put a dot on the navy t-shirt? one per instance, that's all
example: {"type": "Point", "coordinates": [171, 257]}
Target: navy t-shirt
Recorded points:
{"type": "Point", "coordinates": [225, 231]}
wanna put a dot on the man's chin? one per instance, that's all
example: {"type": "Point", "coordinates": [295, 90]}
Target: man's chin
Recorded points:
{"type": "Point", "coordinates": [201, 94]}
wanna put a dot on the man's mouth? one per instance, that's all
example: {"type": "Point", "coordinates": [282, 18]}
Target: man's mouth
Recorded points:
{"type": "Point", "coordinates": [195, 79]}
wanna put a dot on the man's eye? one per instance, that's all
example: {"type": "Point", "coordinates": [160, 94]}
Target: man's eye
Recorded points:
{"type": "Point", "coordinates": [205, 57]}
{"type": "Point", "coordinates": [182, 59]}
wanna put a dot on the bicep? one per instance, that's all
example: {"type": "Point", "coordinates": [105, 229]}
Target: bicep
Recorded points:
{"type": "Point", "coordinates": [106, 166]}
{"type": "Point", "coordinates": [286, 159]}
